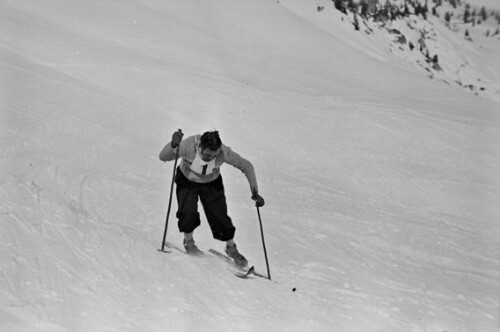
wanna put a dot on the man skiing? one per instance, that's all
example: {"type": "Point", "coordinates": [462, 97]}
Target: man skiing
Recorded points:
{"type": "Point", "coordinates": [198, 177]}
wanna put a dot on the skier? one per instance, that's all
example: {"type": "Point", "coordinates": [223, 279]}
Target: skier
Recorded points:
{"type": "Point", "coordinates": [198, 176]}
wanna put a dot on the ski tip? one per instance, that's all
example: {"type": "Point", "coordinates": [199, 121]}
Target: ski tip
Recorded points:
{"type": "Point", "coordinates": [245, 274]}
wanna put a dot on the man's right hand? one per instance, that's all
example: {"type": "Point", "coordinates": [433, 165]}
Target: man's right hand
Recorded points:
{"type": "Point", "coordinates": [176, 139]}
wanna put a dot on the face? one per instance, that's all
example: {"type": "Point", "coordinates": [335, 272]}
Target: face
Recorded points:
{"type": "Point", "coordinates": [208, 155]}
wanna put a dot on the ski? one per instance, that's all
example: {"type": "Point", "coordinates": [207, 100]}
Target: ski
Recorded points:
{"type": "Point", "coordinates": [240, 272]}
{"type": "Point", "coordinates": [243, 274]}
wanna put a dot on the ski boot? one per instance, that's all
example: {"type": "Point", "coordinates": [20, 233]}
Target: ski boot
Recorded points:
{"type": "Point", "coordinates": [239, 260]}
{"type": "Point", "coordinates": [191, 248]}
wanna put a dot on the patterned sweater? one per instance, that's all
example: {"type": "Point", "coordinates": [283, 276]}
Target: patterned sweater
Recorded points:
{"type": "Point", "coordinates": [196, 170]}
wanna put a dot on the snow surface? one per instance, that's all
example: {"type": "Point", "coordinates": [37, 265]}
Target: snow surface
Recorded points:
{"type": "Point", "coordinates": [489, 4]}
{"type": "Point", "coordinates": [382, 185]}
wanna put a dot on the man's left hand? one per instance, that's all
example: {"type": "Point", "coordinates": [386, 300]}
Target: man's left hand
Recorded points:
{"type": "Point", "coordinates": [259, 201]}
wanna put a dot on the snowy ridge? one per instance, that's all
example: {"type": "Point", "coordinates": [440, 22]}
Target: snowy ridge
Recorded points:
{"type": "Point", "coordinates": [382, 203]}
{"type": "Point", "coordinates": [443, 50]}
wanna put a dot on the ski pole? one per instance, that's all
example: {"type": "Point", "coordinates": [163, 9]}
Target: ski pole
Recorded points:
{"type": "Point", "coordinates": [264, 244]}
{"type": "Point", "coordinates": [170, 198]}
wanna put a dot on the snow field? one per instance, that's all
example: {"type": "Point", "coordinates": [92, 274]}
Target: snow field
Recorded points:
{"type": "Point", "coordinates": [381, 185]}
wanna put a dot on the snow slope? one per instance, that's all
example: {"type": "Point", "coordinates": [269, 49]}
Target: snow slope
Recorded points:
{"type": "Point", "coordinates": [382, 186]}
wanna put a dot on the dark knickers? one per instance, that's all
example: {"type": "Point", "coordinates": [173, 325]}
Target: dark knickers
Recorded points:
{"type": "Point", "coordinates": [213, 200]}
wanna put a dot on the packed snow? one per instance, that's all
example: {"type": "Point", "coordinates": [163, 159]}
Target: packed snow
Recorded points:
{"type": "Point", "coordinates": [382, 185]}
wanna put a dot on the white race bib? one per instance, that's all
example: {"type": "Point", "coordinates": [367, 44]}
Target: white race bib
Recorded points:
{"type": "Point", "coordinates": [202, 167]}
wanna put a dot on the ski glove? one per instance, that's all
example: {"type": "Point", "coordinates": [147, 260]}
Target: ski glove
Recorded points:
{"type": "Point", "coordinates": [176, 139]}
{"type": "Point", "coordinates": [259, 201]}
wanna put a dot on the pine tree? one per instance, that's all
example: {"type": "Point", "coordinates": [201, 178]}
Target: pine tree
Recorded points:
{"type": "Point", "coordinates": [364, 8]}
{"type": "Point", "coordinates": [425, 9]}
{"type": "Point", "coordinates": [339, 4]}
{"type": "Point", "coordinates": [466, 15]}
{"type": "Point", "coordinates": [447, 17]}
{"type": "Point", "coordinates": [406, 10]}
{"type": "Point", "coordinates": [356, 22]}
{"type": "Point", "coordinates": [351, 6]}
{"type": "Point", "coordinates": [483, 13]}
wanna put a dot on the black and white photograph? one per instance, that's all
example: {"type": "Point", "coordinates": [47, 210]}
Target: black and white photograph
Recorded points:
{"type": "Point", "coordinates": [249, 165]}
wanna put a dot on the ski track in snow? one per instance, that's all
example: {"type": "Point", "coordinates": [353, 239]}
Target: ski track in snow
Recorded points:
{"type": "Point", "coordinates": [382, 206]}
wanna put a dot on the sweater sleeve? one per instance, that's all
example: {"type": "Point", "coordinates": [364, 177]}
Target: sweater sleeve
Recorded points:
{"type": "Point", "coordinates": [167, 153]}
{"type": "Point", "coordinates": [234, 159]}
